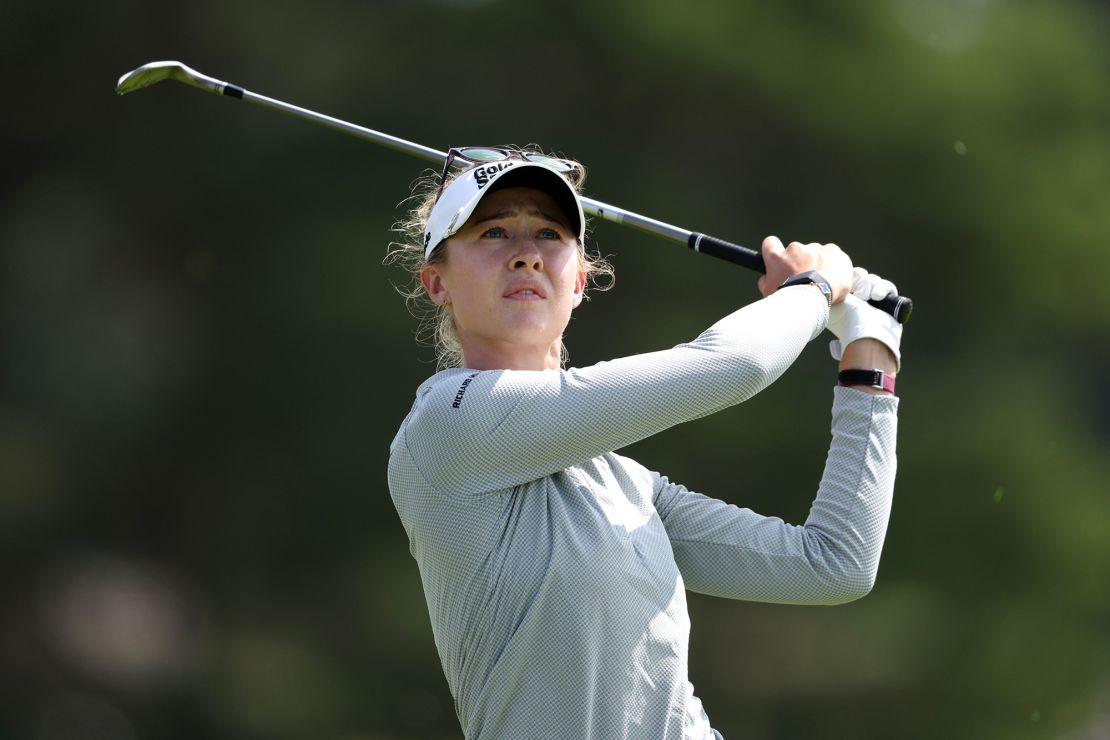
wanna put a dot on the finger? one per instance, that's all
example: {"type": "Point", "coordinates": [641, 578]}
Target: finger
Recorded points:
{"type": "Point", "coordinates": [859, 281]}
{"type": "Point", "coordinates": [772, 245]}
{"type": "Point", "coordinates": [799, 247]}
{"type": "Point", "coordinates": [874, 288]}
{"type": "Point", "coordinates": [882, 289]}
{"type": "Point", "coordinates": [774, 255]}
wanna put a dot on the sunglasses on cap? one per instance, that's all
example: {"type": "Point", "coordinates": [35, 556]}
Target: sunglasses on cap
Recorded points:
{"type": "Point", "coordinates": [469, 155]}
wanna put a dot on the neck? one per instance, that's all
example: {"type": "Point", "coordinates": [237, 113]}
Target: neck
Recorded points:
{"type": "Point", "coordinates": [503, 356]}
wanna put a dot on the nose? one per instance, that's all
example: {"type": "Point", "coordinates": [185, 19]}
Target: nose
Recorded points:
{"type": "Point", "coordinates": [526, 256]}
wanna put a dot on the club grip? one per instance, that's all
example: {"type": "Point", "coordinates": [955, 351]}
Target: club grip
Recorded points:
{"type": "Point", "coordinates": [734, 253]}
{"type": "Point", "coordinates": [897, 306]}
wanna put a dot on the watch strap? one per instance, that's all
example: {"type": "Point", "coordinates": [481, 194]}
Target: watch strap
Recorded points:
{"type": "Point", "coordinates": [873, 378]}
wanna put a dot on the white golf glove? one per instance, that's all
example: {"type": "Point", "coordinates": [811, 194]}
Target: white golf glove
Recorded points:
{"type": "Point", "coordinates": [854, 319]}
{"type": "Point", "coordinates": [871, 287]}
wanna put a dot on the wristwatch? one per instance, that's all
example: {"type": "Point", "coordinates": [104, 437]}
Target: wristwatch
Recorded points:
{"type": "Point", "coordinates": [810, 277]}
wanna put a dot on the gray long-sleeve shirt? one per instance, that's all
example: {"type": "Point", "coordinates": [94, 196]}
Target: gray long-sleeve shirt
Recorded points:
{"type": "Point", "coordinates": [555, 570]}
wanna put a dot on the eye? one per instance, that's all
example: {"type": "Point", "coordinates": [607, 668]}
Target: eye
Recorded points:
{"type": "Point", "coordinates": [549, 234]}
{"type": "Point", "coordinates": [495, 232]}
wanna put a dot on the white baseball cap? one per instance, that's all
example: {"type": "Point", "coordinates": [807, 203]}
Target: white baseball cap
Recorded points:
{"type": "Point", "coordinates": [461, 197]}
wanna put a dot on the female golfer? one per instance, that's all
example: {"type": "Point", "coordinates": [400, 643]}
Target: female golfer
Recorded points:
{"type": "Point", "coordinates": [555, 570]}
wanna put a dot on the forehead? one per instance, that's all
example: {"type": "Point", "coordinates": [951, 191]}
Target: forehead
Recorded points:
{"type": "Point", "coordinates": [520, 200]}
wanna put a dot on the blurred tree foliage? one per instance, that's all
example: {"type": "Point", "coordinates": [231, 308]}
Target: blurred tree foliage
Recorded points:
{"type": "Point", "coordinates": [204, 361]}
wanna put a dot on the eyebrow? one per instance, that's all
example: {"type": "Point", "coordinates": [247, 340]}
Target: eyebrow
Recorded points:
{"type": "Point", "coordinates": [509, 213]}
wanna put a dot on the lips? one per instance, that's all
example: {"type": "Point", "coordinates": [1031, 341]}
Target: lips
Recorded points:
{"type": "Point", "coordinates": [528, 291]}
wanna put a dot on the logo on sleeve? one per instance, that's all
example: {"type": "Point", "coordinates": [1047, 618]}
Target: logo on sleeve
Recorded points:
{"type": "Point", "coordinates": [462, 390]}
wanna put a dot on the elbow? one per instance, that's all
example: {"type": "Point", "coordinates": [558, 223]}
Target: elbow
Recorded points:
{"type": "Point", "coordinates": [845, 570]}
{"type": "Point", "coordinates": [851, 586]}
{"type": "Point", "coordinates": [855, 595]}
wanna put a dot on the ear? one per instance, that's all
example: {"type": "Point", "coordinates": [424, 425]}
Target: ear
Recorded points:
{"type": "Point", "coordinates": [579, 288]}
{"type": "Point", "coordinates": [432, 280]}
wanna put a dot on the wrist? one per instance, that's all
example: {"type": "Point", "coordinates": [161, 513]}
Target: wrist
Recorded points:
{"type": "Point", "coordinates": [869, 353]}
{"type": "Point", "coordinates": [872, 381]}
{"type": "Point", "coordinates": [813, 278]}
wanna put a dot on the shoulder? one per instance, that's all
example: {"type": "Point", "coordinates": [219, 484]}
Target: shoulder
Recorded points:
{"type": "Point", "coordinates": [445, 388]}
{"type": "Point", "coordinates": [462, 392]}
{"type": "Point", "coordinates": [447, 385]}
{"type": "Point", "coordinates": [459, 408]}
{"type": "Point", "coordinates": [435, 383]}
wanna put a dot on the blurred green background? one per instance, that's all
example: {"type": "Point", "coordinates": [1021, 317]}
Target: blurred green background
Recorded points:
{"type": "Point", "coordinates": [203, 360]}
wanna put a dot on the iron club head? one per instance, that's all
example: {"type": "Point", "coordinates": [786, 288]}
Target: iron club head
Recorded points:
{"type": "Point", "coordinates": [155, 72]}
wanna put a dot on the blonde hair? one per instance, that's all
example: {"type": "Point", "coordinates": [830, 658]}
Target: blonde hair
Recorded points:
{"type": "Point", "coordinates": [437, 326]}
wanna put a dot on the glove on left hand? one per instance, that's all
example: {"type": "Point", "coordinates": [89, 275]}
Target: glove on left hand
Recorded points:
{"type": "Point", "coordinates": [854, 319]}
{"type": "Point", "coordinates": [871, 287]}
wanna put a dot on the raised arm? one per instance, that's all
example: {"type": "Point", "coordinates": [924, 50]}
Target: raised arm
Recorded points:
{"type": "Point", "coordinates": [479, 431]}
{"type": "Point", "coordinates": [732, 552]}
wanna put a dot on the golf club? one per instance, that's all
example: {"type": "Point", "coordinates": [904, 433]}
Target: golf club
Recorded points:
{"type": "Point", "coordinates": [899, 307]}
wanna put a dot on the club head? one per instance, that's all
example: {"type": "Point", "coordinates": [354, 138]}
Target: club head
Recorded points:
{"type": "Point", "coordinates": [155, 72]}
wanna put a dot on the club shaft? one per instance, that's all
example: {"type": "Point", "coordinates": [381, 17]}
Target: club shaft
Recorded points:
{"type": "Point", "coordinates": [593, 207]}
{"type": "Point", "coordinates": [589, 205]}
{"type": "Point", "coordinates": [897, 306]}
{"type": "Point", "coordinates": [392, 142]}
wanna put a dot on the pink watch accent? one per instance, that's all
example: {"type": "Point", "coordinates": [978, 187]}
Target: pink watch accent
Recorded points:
{"type": "Point", "coordinates": [874, 378]}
